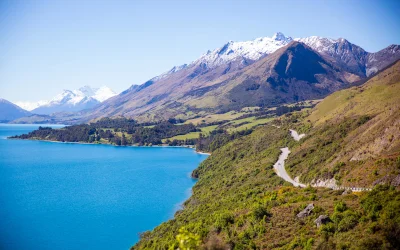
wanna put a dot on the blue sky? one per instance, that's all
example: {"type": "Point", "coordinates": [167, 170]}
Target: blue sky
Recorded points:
{"type": "Point", "coordinates": [48, 46]}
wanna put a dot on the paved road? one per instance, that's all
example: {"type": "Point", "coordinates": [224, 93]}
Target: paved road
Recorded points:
{"type": "Point", "coordinates": [295, 135]}
{"type": "Point", "coordinates": [280, 168]}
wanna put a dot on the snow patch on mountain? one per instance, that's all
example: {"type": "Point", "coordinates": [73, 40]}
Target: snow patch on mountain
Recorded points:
{"type": "Point", "coordinates": [319, 44]}
{"type": "Point", "coordinates": [31, 105]}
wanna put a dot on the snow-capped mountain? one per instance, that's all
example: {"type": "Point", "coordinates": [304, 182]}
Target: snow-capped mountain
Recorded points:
{"type": "Point", "coordinates": [352, 57]}
{"type": "Point", "coordinates": [249, 50]}
{"type": "Point", "coordinates": [347, 55]}
{"type": "Point", "coordinates": [31, 105]}
{"type": "Point", "coordinates": [70, 100]}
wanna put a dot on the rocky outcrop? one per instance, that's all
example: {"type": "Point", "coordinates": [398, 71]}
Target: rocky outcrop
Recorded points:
{"type": "Point", "coordinates": [328, 183]}
{"type": "Point", "coordinates": [382, 181]}
{"type": "Point", "coordinates": [396, 181]}
{"type": "Point", "coordinates": [321, 220]}
{"type": "Point", "coordinates": [306, 212]}
{"type": "Point", "coordinates": [347, 191]}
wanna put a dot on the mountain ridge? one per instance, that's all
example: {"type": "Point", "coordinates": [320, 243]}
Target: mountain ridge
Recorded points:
{"type": "Point", "coordinates": [10, 111]}
{"type": "Point", "coordinates": [159, 98]}
{"type": "Point", "coordinates": [188, 89]}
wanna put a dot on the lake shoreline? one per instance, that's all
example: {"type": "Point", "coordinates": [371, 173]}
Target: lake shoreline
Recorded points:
{"type": "Point", "coordinates": [109, 144]}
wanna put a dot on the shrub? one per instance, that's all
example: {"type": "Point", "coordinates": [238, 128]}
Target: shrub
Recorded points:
{"type": "Point", "coordinates": [223, 220]}
{"type": "Point", "coordinates": [340, 206]}
{"type": "Point", "coordinates": [349, 221]}
{"type": "Point", "coordinates": [187, 240]}
{"type": "Point", "coordinates": [259, 212]}
{"type": "Point", "coordinates": [328, 228]}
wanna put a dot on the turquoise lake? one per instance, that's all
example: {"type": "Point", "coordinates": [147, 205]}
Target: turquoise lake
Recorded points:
{"type": "Point", "coordinates": [77, 196]}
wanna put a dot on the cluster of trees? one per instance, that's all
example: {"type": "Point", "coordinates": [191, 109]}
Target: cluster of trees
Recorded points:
{"type": "Point", "coordinates": [79, 133]}
{"type": "Point", "coordinates": [119, 131]}
{"type": "Point", "coordinates": [215, 140]}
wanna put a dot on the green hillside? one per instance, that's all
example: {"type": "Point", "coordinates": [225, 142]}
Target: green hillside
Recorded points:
{"type": "Point", "coordinates": [240, 203]}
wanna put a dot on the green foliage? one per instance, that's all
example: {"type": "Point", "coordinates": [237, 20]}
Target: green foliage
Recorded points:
{"type": "Point", "coordinates": [340, 206]}
{"type": "Point", "coordinates": [260, 212]}
{"type": "Point", "coordinates": [301, 242]}
{"type": "Point", "coordinates": [348, 221]}
{"type": "Point", "coordinates": [187, 240]}
{"type": "Point", "coordinates": [223, 220]}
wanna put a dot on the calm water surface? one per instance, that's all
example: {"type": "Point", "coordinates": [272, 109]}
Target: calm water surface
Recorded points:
{"type": "Point", "coordinates": [74, 196]}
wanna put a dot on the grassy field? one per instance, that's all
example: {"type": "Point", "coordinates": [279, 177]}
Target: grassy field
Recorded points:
{"type": "Point", "coordinates": [232, 115]}
{"type": "Point", "coordinates": [252, 122]}
{"type": "Point", "coordinates": [231, 126]}
{"type": "Point", "coordinates": [193, 135]}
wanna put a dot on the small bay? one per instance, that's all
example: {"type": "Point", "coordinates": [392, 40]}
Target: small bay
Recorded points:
{"type": "Point", "coordinates": [81, 196]}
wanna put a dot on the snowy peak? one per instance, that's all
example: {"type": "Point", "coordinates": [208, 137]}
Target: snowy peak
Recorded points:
{"type": "Point", "coordinates": [249, 50]}
{"type": "Point", "coordinates": [87, 90]}
{"type": "Point", "coordinates": [82, 95]}
{"type": "Point", "coordinates": [71, 100]}
{"type": "Point", "coordinates": [281, 37]}
{"type": "Point", "coordinates": [352, 57]}
{"type": "Point", "coordinates": [320, 44]}
{"type": "Point", "coordinates": [103, 93]}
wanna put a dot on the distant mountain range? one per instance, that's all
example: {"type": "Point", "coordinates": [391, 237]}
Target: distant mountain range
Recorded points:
{"type": "Point", "coordinates": [9, 111]}
{"type": "Point", "coordinates": [70, 100]}
{"type": "Point", "coordinates": [267, 71]}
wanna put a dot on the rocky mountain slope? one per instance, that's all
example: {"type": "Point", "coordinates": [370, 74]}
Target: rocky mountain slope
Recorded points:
{"type": "Point", "coordinates": [352, 57]}
{"type": "Point", "coordinates": [239, 202]}
{"type": "Point", "coordinates": [224, 87]}
{"type": "Point", "coordinates": [9, 111]}
{"type": "Point", "coordinates": [215, 81]}
{"type": "Point", "coordinates": [70, 100]}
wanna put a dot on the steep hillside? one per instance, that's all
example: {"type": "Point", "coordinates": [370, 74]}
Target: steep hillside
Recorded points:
{"type": "Point", "coordinates": [10, 111]}
{"type": "Point", "coordinates": [240, 203]}
{"type": "Point", "coordinates": [347, 55]}
{"type": "Point", "coordinates": [356, 135]}
{"type": "Point", "coordinates": [351, 57]}
{"type": "Point", "coordinates": [293, 73]}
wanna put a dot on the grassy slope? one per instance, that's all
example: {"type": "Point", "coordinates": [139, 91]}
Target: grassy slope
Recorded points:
{"type": "Point", "coordinates": [355, 136]}
{"type": "Point", "coordinates": [240, 203]}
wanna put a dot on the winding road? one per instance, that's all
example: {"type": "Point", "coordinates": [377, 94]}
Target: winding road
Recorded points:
{"type": "Point", "coordinates": [280, 170]}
